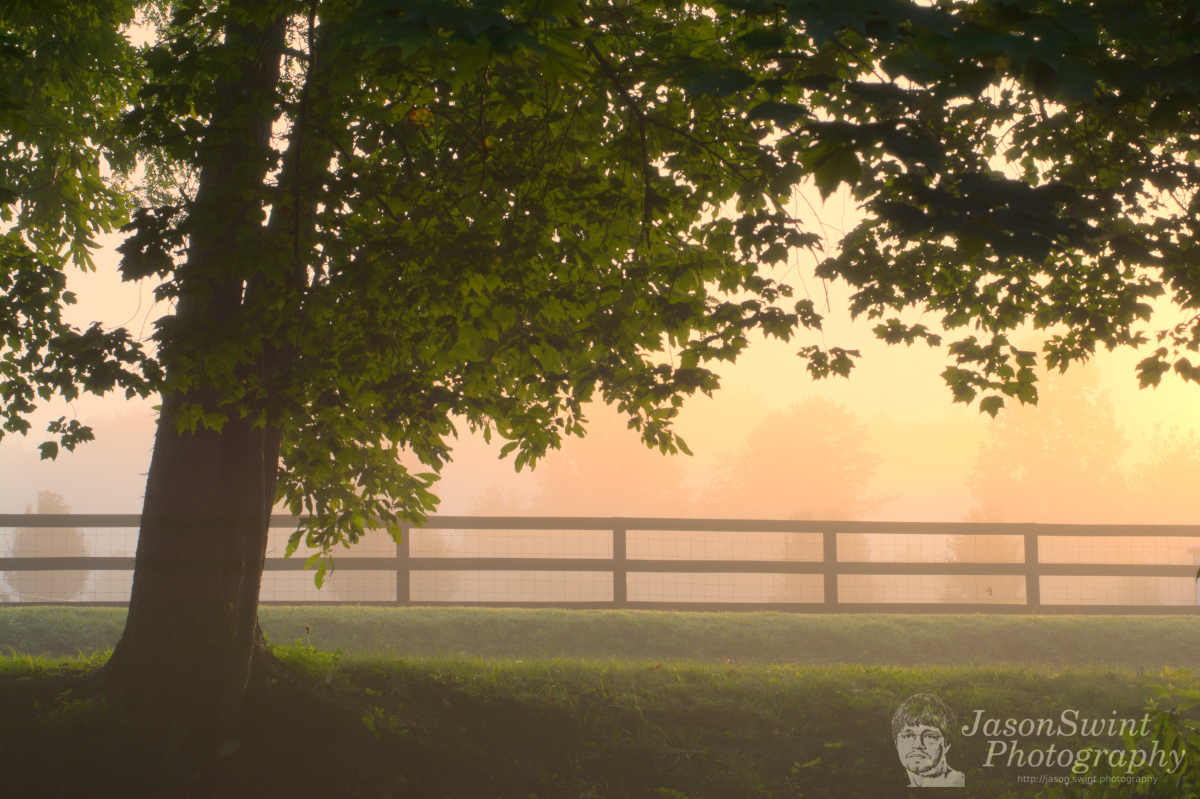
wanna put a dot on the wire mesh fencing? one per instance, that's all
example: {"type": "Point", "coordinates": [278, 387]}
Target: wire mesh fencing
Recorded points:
{"type": "Point", "coordinates": [808, 566]}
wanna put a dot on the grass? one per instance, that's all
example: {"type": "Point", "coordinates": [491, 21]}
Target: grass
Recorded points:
{"type": "Point", "coordinates": [495, 703]}
{"type": "Point", "coordinates": [1137, 642]}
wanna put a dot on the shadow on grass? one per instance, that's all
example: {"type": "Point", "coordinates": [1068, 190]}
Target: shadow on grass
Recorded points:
{"type": "Point", "coordinates": [482, 729]}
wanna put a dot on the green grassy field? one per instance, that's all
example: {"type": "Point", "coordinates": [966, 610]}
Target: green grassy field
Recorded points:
{"type": "Point", "coordinates": [1145, 642]}
{"type": "Point", "coordinates": [497, 703]}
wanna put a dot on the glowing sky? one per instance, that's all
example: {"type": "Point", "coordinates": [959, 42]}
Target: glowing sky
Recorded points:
{"type": "Point", "coordinates": [925, 441]}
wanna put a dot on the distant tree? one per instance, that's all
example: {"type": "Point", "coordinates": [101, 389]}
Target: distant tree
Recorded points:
{"type": "Point", "coordinates": [807, 546]}
{"type": "Point", "coordinates": [44, 542]}
{"type": "Point", "coordinates": [1166, 486]}
{"type": "Point", "coordinates": [1058, 462]}
{"type": "Point", "coordinates": [812, 461]}
{"type": "Point", "coordinates": [1163, 490]}
{"type": "Point", "coordinates": [497, 501]}
{"type": "Point", "coordinates": [814, 458]}
{"type": "Point", "coordinates": [984, 549]}
{"type": "Point", "coordinates": [349, 584]}
{"type": "Point", "coordinates": [608, 472]}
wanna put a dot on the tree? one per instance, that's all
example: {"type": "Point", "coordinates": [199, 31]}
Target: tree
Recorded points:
{"type": "Point", "coordinates": [41, 542]}
{"type": "Point", "coordinates": [1164, 483]}
{"type": "Point", "coordinates": [1057, 463]}
{"type": "Point", "coordinates": [984, 549]}
{"type": "Point", "coordinates": [409, 214]}
{"type": "Point", "coordinates": [349, 584]}
{"type": "Point", "coordinates": [67, 76]}
{"type": "Point", "coordinates": [811, 461]}
{"type": "Point", "coordinates": [1060, 463]}
{"type": "Point", "coordinates": [607, 473]}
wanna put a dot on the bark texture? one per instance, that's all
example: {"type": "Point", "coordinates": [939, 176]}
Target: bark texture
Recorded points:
{"type": "Point", "coordinates": [185, 660]}
{"type": "Point", "coordinates": [191, 642]}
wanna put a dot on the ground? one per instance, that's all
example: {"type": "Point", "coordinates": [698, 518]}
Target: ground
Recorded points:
{"type": "Point", "coordinates": [294, 747]}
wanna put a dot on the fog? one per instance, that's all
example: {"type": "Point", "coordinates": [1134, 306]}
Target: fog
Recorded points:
{"type": "Point", "coordinates": [885, 445]}
{"type": "Point", "coordinates": [1072, 459]}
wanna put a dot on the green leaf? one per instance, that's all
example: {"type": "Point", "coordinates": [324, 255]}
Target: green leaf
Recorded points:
{"type": "Point", "coordinates": [784, 114]}
{"type": "Point", "coordinates": [702, 79]}
{"type": "Point", "coordinates": [991, 405]}
{"type": "Point", "coordinates": [842, 166]}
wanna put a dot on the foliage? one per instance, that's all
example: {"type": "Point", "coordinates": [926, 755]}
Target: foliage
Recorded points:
{"type": "Point", "coordinates": [33, 542]}
{"type": "Point", "coordinates": [70, 711]}
{"type": "Point", "coordinates": [491, 213]}
{"type": "Point", "coordinates": [303, 655]}
{"type": "Point", "coordinates": [66, 75]}
{"type": "Point", "coordinates": [1179, 737]}
{"type": "Point", "coordinates": [378, 721]}
{"type": "Point", "coordinates": [1081, 102]}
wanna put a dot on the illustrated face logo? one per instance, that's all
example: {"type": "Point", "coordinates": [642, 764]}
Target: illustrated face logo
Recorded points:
{"type": "Point", "coordinates": [922, 748]}
{"type": "Point", "coordinates": [920, 729]}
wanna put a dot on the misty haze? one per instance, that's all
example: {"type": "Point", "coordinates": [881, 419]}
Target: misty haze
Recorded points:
{"type": "Point", "coordinates": [596, 399]}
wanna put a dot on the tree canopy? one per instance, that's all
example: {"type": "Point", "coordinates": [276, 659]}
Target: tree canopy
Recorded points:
{"type": "Point", "coordinates": [494, 212]}
{"type": "Point", "coordinates": [67, 76]}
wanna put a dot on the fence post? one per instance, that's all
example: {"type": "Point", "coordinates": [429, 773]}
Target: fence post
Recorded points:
{"type": "Point", "coordinates": [403, 597]}
{"type": "Point", "coordinates": [1033, 584]}
{"type": "Point", "coordinates": [620, 584]}
{"type": "Point", "coordinates": [831, 578]}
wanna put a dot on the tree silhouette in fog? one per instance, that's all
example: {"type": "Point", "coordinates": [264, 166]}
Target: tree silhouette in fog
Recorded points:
{"type": "Point", "coordinates": [1057, 462]}
{"type": "Point", "coordinates": [1166, 485]}
{"type": "Point", "coordinates": [608, 472]}
{"type": "Point", "coordinates": [1053, 463]}
{"type": "Point", "coordinates": [812, 460]}
{"type": "Point", "coordinates": [43, 542]}
{"type": "Point", "coordinates": [1060, 463]}
{"type": "Point", "coordinates": [356, 585]}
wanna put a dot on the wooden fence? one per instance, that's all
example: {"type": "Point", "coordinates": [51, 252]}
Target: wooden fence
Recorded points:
{"type": "Point", "coordinates": [620, 565]}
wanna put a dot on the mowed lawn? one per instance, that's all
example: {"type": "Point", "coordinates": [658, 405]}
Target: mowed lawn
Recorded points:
{"type": "Point", "coordinates": [1136, 642]}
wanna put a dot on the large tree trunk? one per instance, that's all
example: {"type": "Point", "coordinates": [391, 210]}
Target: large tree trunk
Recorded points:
{"type": "Point", "coordinates": [191, 642]}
